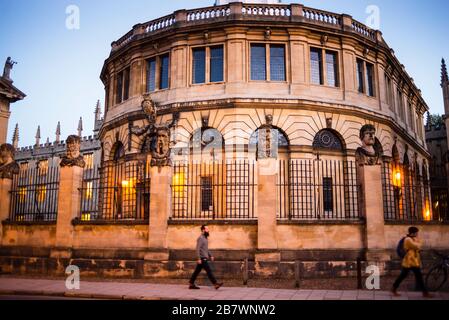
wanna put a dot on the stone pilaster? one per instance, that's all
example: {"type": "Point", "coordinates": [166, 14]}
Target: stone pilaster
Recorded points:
{"type": "Point", "coordinates": [68, 208]}
{"type": "Point", "coordinates": [266, 208]}
{"type": "Point", "coordinates": [4, 118]}
{"type": "Point", "coordinates": [372, 206]}
{"type": "Point", "coordinates": [160, 206]}
{"type": "Point", "coordinates": [5, 202]}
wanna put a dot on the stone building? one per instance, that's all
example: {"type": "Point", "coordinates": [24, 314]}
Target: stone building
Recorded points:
{"type": "Point", "coordinates": [294, 133]}
{"type": "Point", "coordinates": [436, 138]}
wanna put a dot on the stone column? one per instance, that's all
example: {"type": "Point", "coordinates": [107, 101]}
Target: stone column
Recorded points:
{"type": "Point", "coordinates": [372, 206]}
{"type": "Point", "coordinates": [5, 202]}
{"type": "Point", "coordinates": [266, 208]}
{"type": "Point", "coordinates": [69, 199]}
{"type": "Point", "coordinates": [160, 206]}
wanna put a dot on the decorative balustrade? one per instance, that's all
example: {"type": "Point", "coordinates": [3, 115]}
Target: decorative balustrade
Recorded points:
{"type": "Point", "coordinates": [160, 24]}
{"type": "Point", "coordinates": [321, 16]}
{"type": "Point", "coordinates": [208, 13]}
{"type": "Point", "coordinates": [266, 10]}
{"type": "Point", "coordinates": [248, 12]}
{"type": "Point", "coordinates": [363, 30]}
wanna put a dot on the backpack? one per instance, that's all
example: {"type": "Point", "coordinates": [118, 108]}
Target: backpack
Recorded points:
{"type": "Point", "coordinates": [400, 250]}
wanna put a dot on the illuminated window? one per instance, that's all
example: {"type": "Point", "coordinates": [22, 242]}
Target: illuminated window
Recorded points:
{"type": "Point", "coordinates": [89, 160]}
{"type": "Point", "coordinates": [89, 190]}
{"type": "Point", "coordinates": [43, 167]}
{"type": "Point", "coordinates": [41, 192]}
{"type": "Point", "coordinates": [22, 194]}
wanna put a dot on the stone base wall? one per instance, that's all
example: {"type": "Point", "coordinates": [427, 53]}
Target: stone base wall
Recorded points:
{"type": "Point", "coordinates": [113, 251]}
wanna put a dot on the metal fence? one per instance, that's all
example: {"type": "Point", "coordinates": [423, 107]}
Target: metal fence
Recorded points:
{"type": "Point", "coordinates": [116, 192]}
{"type": "Point", "coordinates": [213, 191]}
{"type": "Point", "coordinates": [34, 195]}
{"type": "Point", "coordinates": [318, 190]}
{"type": "Point", "coordinates": [406, 194]}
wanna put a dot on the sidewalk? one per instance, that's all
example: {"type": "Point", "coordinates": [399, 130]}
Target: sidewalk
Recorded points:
{"type": "Point", "coordinates": [142, 291]}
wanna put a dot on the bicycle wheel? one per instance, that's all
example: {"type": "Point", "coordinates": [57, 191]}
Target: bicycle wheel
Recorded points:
{"type": "Point", "coordinates": [436, 278]}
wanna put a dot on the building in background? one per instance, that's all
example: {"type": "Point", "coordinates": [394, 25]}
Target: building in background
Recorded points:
{"type": "Point", "coordinates": [437, 143]}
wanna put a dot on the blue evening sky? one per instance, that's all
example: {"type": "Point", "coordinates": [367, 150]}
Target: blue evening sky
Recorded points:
{"type": "Point", "coordinates": [59, 68]}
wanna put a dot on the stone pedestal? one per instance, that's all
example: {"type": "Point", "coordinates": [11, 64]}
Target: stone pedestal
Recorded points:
{"type": "Point", "coordinates": [266, 209]}
{"type": "Point", "coordinates": [160, 206]}
{"type": "Point", "coordinates": [5, 202]}
{"type": "Point", "coordinates": [373, 209]}
{"type": "Point", "coordinates": [68, 208]}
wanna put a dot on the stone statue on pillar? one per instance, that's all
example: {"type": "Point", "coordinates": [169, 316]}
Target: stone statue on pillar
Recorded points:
{"type": "Point", "coordinates": [73, 158]}
{"type": "Point", "coordinates": [9, 64]}
{"type": "Point", "coordinates": [370, 154]}
{"type": "Point", "coordinates": [157, 136]}
{"type": "Point", "coordinates": [8, 166]}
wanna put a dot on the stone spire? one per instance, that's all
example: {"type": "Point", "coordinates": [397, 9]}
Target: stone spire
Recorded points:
{"type": "Point", "coordinates": [444, 76]}
{"type": "Point", "coordinates": [80, 127]}
{"type": "Point", "coordinates": [445, 87]}
{"type": "Point", "coordinates": [38, 136]}
{"type": "Point", "coordinates": [58, 133]}
{"type": "Point", "coordinates": [98, 122]}
{"type": "Point", "coordinates": [15, 137]}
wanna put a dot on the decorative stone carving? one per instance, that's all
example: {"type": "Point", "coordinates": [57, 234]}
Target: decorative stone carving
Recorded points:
{"type": "Point", "coordinates": [266, 139]}
{"type": "Point", "coordinates": [8, 166]}
{"type": "Point", "coordinates": [157, 137]}
{"type": "Point", "coordinates": [370, 153]}
{"type": "Point", "coordinates": [73, 158]}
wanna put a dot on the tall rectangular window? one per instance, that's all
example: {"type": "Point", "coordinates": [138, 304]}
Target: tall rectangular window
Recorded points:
{"type": "Point", "coordinates": [119, 87]}
{"type": "Point", "coordinates": [277, 63]}
{"type": "Point", "coordinates": [199, 65]}
{"type": "Point", "coordinates": [151, 75]}
{"type": "Point", "coordinates": [206, 194]}
{"type": "Point", "coordinates": [216, 64]}
{"type": "Point", "coordinates": [328, 195]}
{"type": "Point", "coordinates": [370, 78]}
{"type": "Point", "coordinates": [332, 69]}
{"type": "Point", "coordinates": [127, 82]}
{"type": "Point", "coordinates": [388, 92]}
{"type": "Point", "coordinates": [411, 114]}
{"type": "Point", "coordinates": [316, 66]}
{"type": "Point", "coordinates": [360, 77]}
{"type": "Point", "coordinates": [400, 104]}
{"type": "Point", "coordinates": [258, 62]}
{"type": "Point", "coordinates": [164, 71]}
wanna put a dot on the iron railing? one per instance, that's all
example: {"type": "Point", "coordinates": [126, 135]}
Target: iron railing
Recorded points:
{"type": "Point", "coordinates": [406, 194]}
{"type": "Point", "coordinates": [213, 191]}
{"type": "Point", "coordinates": [116, 192]}
{"type": "Point", "coordinates": [34, 195]}
{"type": "Point", "coordinates": [318, 190]}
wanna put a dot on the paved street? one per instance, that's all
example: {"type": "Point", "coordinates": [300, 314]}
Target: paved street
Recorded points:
{"type": "Point", "coordinates": [141, 291]}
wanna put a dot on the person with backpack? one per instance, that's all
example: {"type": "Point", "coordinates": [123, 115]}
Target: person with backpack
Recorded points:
{"type": "Point", "coordinates": [409, 250]}
{"type": "Point", "coordinates": [204, 255]}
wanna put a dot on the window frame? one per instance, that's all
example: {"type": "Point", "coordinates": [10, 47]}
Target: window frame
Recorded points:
{"type": "Point", "coordinates": [207, 66]}
{"type": "Point", "coordinates": [268, 61]}
{"type": "Point", "coordinates": [323, 64]}
{"type": "Point", "coordinates": [365, 81]}
{"type": "Point", "coordinates": [123, 77]}
{"type": "Point", "coordinates": [158, 72]}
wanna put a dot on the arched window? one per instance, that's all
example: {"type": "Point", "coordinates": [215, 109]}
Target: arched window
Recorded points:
{"type": "Point", "coordinates": [281, 137]}
{"type": "Point", "coordinates": [328, 139]}
{"type": "Point", "coordinates": [117, 151]}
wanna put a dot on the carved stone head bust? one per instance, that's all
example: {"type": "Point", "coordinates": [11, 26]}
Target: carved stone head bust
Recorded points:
{"type": "Point", "coordinates": [370, 153]}
{"type": "Point", "coordinates": [73, 156]}
{"type": "Point", "coordinates": [8, 167]}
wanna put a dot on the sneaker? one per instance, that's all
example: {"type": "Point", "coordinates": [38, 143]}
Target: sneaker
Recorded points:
{"type": "Point", "coordinates": [194, 287]}
{"type": "Point", "coordinates": [218, 285]}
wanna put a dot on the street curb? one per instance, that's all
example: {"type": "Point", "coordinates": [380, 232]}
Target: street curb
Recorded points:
{"type": "Point", "coordinates": [84, 295]}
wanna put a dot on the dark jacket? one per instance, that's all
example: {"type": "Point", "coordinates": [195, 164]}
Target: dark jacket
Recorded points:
{"type": "Point", "coordinates": [202, 248]}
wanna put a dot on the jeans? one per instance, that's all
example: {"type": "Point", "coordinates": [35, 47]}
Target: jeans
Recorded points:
{"type": "Point", "coordinates": [418, 276]}
{"type": "Point", "coordinates": [204, 264]}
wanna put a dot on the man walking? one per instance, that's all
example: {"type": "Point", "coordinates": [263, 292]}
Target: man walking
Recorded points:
{"type": "Point", "coordinates": [411, 262]}
{"type": "Point", "coordinates": [204, 255]}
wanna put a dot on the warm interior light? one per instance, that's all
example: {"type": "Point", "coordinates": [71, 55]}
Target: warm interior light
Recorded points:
{"type": "Point", "coordinates": [427, 213]}
{"type": "Point", "coordinates": [397, 178]}
{"type": "Point", "coordinates": [178, 182]}
{"type": "Point", "coordinates": [125, 184]}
